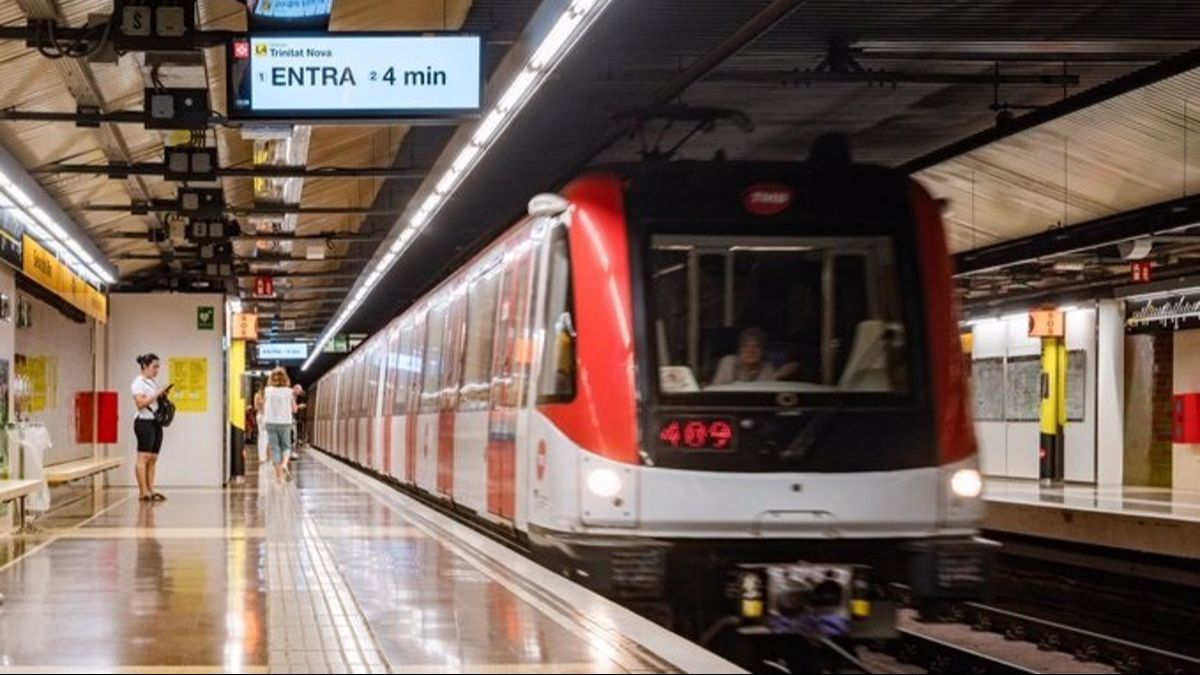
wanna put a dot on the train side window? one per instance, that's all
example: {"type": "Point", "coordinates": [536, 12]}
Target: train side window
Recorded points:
{"type": "Point", "coordinates": [557, 378]}
{"type": "Point", "coordinates": [453, 348]}
{"type": "Point", "coordinates": [511, 361]}
{"type": "Point", "coordinates": [364, 403]}
{"type": "Point", "coordinates": [404, 368]}
{"type": "Point", "coordinates": [481, 336]}
{"type": "Point", "coordinates": [435, 329]}
{"type": "Point", "coordinates": [416, 361]}
{"type": "Point", "coordinates": [356, 386]}
{"type": "Point", "coordinates": [374, 363]}
{"type": "Point", "coordinates": [390, 355]}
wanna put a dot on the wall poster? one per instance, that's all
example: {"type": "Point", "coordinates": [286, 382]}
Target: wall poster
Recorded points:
{"type": "Point", "coordinates": [190, 377]}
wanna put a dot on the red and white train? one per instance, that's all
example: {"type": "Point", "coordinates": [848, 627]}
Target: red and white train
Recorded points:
{"type": "Point", "coordinates": [671, 368]}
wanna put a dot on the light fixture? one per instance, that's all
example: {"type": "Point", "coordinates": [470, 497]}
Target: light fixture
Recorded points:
{"type": "Point", "coordinates": [447, 181]}
{"type": "Point", "coordinates": [604, 483]}
{"type": "Point", "coordinates": [43, 227]}
{"type": "Point", "coordinates": [516, 91]}
{"type": "Point", "coordinates": [966, 483]}
{"type": "Point", "coordinates": [490, 124]}
{"type": "Point", "coordinates": [553, 46]}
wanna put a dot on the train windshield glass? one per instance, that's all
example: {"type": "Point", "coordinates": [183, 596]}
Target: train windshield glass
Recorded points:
{"type": "Point", "coordinates": [804, 315]}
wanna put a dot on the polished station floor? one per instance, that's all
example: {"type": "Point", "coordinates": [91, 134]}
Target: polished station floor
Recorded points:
{"type": "Point", "coordinates": [332, 572]}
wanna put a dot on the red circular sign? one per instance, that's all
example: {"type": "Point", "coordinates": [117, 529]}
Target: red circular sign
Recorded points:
{"type": "Point", "coordinates": [767, 199]}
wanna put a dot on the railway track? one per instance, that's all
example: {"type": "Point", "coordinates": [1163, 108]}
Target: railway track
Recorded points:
{"type": "Point", "coordinates": [919, 651]}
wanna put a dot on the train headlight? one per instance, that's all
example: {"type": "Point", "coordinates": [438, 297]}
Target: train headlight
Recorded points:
{"type": "Point", "coordinates": [604, 483]}
{"type": "Point", "coordinates": [966, 483]}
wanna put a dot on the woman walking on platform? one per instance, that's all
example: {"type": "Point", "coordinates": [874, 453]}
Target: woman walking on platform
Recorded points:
{"type": "Point", "coordinates": [279, 406]}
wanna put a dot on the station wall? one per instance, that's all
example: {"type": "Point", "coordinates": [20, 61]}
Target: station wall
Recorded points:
{"type": "Point", "coordinates": [194, 446]}
{"type": "Point", "coordinates": [57, 356]}
{"type": "Point", "coordinates": [1006, 364]}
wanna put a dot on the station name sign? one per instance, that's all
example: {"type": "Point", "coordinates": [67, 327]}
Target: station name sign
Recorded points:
{"type": "Point", "coordinates": [354, 77]}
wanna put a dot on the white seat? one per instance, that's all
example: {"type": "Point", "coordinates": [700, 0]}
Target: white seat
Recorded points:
{"type": "Point", "coordinates": [867, 367]}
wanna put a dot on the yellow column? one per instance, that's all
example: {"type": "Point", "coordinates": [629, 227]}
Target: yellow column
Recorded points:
{"type": "Point", "coordinates": [237, 368]}
{"type": "Point", "coordinates": [1054, 409]}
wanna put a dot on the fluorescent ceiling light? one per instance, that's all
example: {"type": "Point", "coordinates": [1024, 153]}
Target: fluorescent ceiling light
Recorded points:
{"type": "Point", "coordinates": [554, 45]}
{"type": "Point", "coordinates": [517, 90]}
{"type": "Point", "coordinates": [555, 39]}
{"type": "Point", "coordinates": [487, 127]}
{"type": "Point", "coordinates": [448, 178]}
{"type": "Point", "coordinates": [18, 195]}
{"type": "Point", "coordinates": [465, 158]}
{"type": "Point", "coordinates": [431, 202]}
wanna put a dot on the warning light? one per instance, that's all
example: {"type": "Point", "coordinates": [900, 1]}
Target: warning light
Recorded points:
{"type": "Point", "coordinates": [697, 434]}
{"type": "Point", "coordinates": [241, 49]}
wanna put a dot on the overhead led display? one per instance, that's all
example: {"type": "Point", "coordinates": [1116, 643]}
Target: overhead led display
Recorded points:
{"type": "Point", "coordinates": [354, 76]}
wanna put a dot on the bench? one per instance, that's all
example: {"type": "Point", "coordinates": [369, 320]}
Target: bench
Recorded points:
{"type": "Point", "coordinates": [17, 489]}
{"type": "Point", "coordinates": [58, 474]}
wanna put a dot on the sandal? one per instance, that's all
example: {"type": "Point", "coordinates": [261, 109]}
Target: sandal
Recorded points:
{"type": "Point", "coordinates": [146, 498]}
{"type": "Point", "coordinates": [158, 497]}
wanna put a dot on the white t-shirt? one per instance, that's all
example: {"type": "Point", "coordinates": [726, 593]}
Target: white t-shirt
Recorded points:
{"type": "Point", "coordinates": [144, 386]}
{"type": "Point", "coordinates": [278, 405]}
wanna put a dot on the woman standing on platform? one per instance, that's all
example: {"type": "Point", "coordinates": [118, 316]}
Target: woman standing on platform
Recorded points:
{"type": "Point", "coordinates": [278, 408]}
{"type": "Point", "coordinates": [146, 394]}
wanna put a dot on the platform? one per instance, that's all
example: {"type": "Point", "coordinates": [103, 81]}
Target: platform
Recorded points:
{"type": "Point", "coordinates": [333, 572]}
{"type": "Point", "coordinates": [1154, 520]}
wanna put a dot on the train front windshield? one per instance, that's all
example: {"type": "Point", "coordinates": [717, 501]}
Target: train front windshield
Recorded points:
{"type": "Point", "coordinates": [770, 318]}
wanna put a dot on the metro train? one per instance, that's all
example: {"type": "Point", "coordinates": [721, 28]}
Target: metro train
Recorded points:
{"type": "Point", "coordinates": [671, 375]}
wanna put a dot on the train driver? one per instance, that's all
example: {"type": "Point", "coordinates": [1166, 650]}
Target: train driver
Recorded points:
{"type": "Point", "coordinates": [749, 364]}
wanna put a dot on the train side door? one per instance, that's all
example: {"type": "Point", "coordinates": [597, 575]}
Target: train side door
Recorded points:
{"type": "Point", "coordinates": [510, 369]}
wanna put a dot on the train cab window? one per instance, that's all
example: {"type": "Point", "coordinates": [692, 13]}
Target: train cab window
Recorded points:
{"type": "Point", "coordinates": [766, 314]}
{"type": "Point", "coordinates": [556, 382]}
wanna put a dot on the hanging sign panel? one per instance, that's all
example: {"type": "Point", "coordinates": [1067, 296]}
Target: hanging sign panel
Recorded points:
{"type": "Point", "coordinates": [282, 351]}
{"type": "Point", "coordinates": [354, 77]}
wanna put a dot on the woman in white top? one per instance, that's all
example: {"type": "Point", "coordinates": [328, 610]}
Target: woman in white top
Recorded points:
{"type": "Point", "coordinates": [279, 404]}
{"type": "Point", "coordinates": [146, 394]}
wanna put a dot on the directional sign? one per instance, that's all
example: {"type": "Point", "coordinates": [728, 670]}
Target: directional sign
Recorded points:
{"type": "Point", "coordinates": [354, 76]}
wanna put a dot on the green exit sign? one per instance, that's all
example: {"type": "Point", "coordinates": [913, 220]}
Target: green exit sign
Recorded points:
{"type": "Point", "coordinates": [204, 318]}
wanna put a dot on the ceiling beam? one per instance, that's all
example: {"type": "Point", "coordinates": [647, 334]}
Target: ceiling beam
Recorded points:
{"type": "Point", "coordinates": [1125, 84]}
{"type": "Point", "coordinates": [172, 206]}
{"type": "Point", "coordinates": [82, 84]}
{"type": "Point", "coordinates": [126, 169]}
